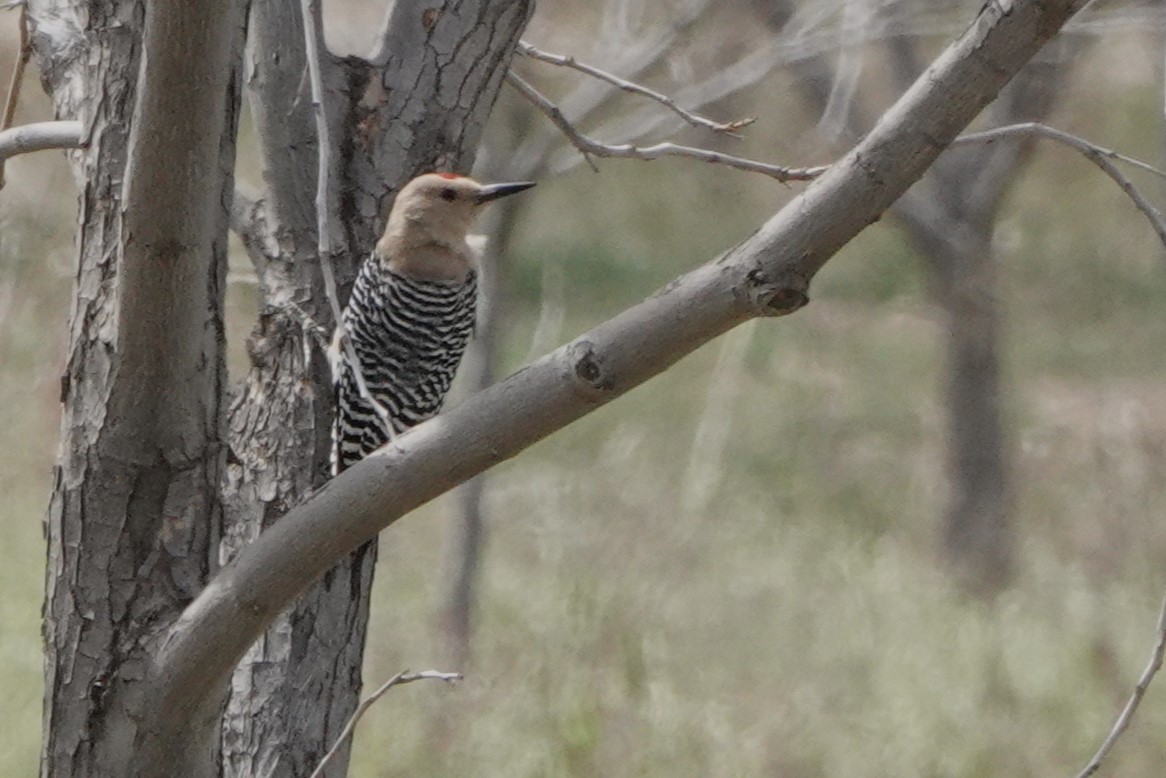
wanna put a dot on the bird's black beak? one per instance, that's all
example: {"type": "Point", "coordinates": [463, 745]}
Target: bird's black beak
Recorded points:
{"type": "Point", "coordinates": [494, 191]}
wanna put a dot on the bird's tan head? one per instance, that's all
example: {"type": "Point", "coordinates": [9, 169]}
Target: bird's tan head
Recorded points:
{"type": "Point", "coordinates": [427, 229]}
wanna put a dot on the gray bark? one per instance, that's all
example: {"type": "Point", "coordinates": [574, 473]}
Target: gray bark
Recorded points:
{"type": "Point", "coordinates": [768, 274]}
{"type": "Point", "coordinates": [420, 104]}
{"type": "Point", "coordinates": [134, 515]}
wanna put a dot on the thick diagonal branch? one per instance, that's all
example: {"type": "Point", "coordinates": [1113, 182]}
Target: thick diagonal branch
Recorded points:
{"type": "Point", "coordinates": [767, 274]}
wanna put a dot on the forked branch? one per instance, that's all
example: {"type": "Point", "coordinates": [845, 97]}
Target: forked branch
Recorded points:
{"type": "Point", "coordinates": [400, 679]}
{"type": "Point", "coordinates": [590, 147]}
{"type": "Point", "coordinates": [1104, 158]}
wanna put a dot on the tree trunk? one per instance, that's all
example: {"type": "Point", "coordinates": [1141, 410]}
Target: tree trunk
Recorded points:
{"type": "Point", "coordinates": [390, 118]}
{"type": "Point", "coordinates": [952, 222]}
{"type": "Point", "coordinates": [134, 517]}
{"type": "Point", "coordinates": [952, 226]}
{"type": "Point", "coordinates": [977, 526]}
{"type": "Point", "coordinates": [479, 369]}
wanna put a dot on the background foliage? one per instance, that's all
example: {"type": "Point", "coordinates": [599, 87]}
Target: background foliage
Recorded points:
{"type": "Point", "coordinates": [733, 571]}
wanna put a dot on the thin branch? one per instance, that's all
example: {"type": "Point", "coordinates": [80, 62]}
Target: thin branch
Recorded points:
{"type": "Point", "coordinates": [1123, 720]}
{"type": "Point", "coordinates": [313, 40]}
{"type": "Point", "coordinates": [17, 79]}
{"type": "Point", "coordinates": [696, 120]}
{"type": "Point", "coordinates": [588, 146]}
{"type": "Point", "coordinates": [39, 136]}
{"type": "Point", "coordinates": [725, 82]}
{"type": "Point", "coordinates": [1100, 156]}
{"type": "Point", "coordinates": [632, 58]}
{"type": "Point", "coordinates": [400, 679]}
{"type": "Point", "coordinates": [1096, 154]}
{"type": "Point", "coordinates": [1043, 130]}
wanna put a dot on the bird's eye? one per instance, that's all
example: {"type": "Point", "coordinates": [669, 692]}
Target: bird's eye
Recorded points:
{"type": "Point", "coordinates": [448, 194]}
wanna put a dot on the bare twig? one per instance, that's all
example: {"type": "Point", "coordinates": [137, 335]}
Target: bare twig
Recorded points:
{"type": "Point", "coordinates": [1045, 131]}
{"type": "Point", "coordinates": [17, 78]}
{"type": "Point", "coordinates": [588, 146]}
{"type": "Point", "coordinates": [632, 58]}
{"type": "Point", "coordinates": [1099, 156]}
{"type": "Point", "coordinates": [727, 128]}
{"type": "Point", "coordinates": [1102, 157]}
{"type": "Point", "coordinates": [725, 82]}
{"type": "Point", "coordinates": [313, 39]}
{"type": "Point", "coordinates": [1127, 713]}
{"type": "Point", "coordinates": [399, 679]}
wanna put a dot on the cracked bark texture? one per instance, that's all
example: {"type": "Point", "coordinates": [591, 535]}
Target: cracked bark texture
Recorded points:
{"type": "Point", "coordinates": [134, 516]}
{"type": "Point", "coordinates": [418, 104]}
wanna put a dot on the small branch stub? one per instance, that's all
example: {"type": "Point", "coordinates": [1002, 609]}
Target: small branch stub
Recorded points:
{"type": "Point", "coordinates": [589, 371]}
{"type": "Point", "coordinates": [780, 297]}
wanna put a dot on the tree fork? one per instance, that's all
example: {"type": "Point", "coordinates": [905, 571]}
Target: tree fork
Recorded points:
{"type": "Point", "coordinates": [299, 683]}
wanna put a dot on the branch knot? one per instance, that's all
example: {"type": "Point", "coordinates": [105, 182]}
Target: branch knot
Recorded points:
{"type": "Point", "coordinates": [775, 296]}
{"type": "Point", "coordinates": [588, 368]}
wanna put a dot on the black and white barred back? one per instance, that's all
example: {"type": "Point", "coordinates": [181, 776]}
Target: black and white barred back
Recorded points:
{"type": "Point", "coordinates": [409, 336]}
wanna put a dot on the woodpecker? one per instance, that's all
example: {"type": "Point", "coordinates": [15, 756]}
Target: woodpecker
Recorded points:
{"type": "Point", "coordinates": [411, 312]}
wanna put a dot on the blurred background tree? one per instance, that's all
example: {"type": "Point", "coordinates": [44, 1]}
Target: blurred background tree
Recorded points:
{"type": "Point", "coordinates": [788, 613]}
